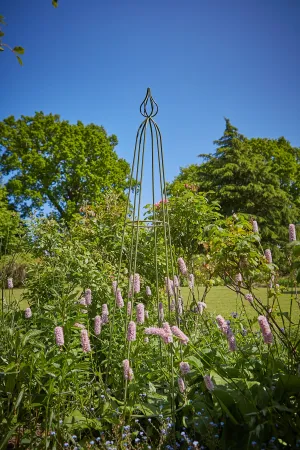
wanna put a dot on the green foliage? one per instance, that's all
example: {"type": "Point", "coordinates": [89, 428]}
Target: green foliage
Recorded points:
{"type": "Point", "coordinates": [53, 162]}
{"type": "Point", "coordinates": [258, 177]}
{"type": "Point", "coordinates": [16, 50]}
{"type": "Point", "coordinates": [11, 230]}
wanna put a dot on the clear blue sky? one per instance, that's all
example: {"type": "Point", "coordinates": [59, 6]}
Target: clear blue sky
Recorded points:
{"type": "Point", "coordinates": [203, 59]}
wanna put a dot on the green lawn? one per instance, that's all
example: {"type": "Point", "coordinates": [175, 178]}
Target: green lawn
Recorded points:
{"type": "Point", "coordinates": [14, 295]}
{"type": "Point", "coordinates": [221, 300]}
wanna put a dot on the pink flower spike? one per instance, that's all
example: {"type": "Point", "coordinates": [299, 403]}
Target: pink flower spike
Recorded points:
{"type": "Point", "coordinates": [161, 311]}
{"type": "Point", "coordinates": [131, 333]}
{"type": "Point", "coordinates": [191, 281]}
{"type": "Point", "coordinates": [119, 298]}
{"type": "Point", "coordinates": [180, 335]}
{"type": "Point", "coordinates": [169, 287]}
{"type": "Point", "coordinates": [181, 385]}
{"type": "Point", "coordinates": [88, 297]}
{"type": "Point", "coordinates": [179, 306]}
{"type": "Point", "coordinates": [265, 329]}
{"type": "Point", "coordinates": [148, 291]}
{"type": "Point", "coordinates": [105, 313]}
{"type": "Point", "coordinates": [182, 266]}
{"type": "Point", "coordinates": [168, 338]}
{"type": "Point", "coordinates": [254, 226]}
{"type": "Point", "coordinates": [114, 286]}
{"type": "Point", "coordinates": [129, 308]}
{"type": "Point", "coordinates": [28, 313]}
{"type": "Point", "coordinates": [140, 313]}
{"type": "Point", "coordinates": [97, 325]}
{"type": "Point", "coordinates": [249, 298]}
{"type": "Point", "coordinates": [231, 341]}
{"type": "Point", "coordinates": [128, 373]}
{"type": "Point", "coordinates": [268, 256]}
{"type": "Point", "coordinates": [238, 278]}
{"type": "Point", "coordinates": [223, 325]}
{"type": "Point", "coordinates": [10, 283]}
{"type": "Point", "coordinates": [85, 342]}
{"type": "Point", "coordinates": [292, 232]}
{"type": "Point", "coordinates": [200, 307]}
{"type": "Point", "coordinates": [59, 336]}
{"type": "Point", "coordinates": [184, 368]}
{"type": "Point", "coordinates": [176, 281]}
{"type": "Point", "coordinates": [208, 383]}
{"type": "Point", "coordinates": [137, 283]}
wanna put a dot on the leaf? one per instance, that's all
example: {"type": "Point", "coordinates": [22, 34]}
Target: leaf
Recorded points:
{"type": "Point", "coordinates": [20, 60]}
{"type": "Point", "coordinates": [19, 50]}
{"type": "Point", "coordinates": [55, 3]}
{"type": "Point", "coordinates": [1, 33]}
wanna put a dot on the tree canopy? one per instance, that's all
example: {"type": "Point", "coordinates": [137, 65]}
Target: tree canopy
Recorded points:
{"type": "Point", "coordinates": [257, 176]}
{"type": "Point", "coordinates": [50, 161]}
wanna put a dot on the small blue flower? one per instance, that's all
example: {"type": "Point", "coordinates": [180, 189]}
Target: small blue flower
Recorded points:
{"type": "Point", "coordinates": [92, 409]}
{"type": "Point", "coordinates": [198, 413]}
{"type": "Point", "coordinates": [216, 436]}
{"type": "Point", "coordinates": [74, 436]}
{"type": "Point", "coordinates": [145, 438]}
{"type": "Point", "coordinates": [222, 424]}
{"type": "Point", "coordinates": [98, 439]}
{"type": "Point", "coordinates": [136, 420]}
{"type": "Point", "coordinates": [211, 423]}
{"type": "Point", "coordinates": [92, 442]}
{"type": "Point", "coordinates": [60, 421]}
{"type": "Point", "coordinates": [52, 433]}
{"type": "Point", "coordinates": [253, 443]}
{"type": "Point", "coordinates": [66, 444]}
{"type": "Point", "coordinates": [149, 420]}
{"type": "Point", "coordinates": [137, 440]}
{"type": "Point", "coordinates": [163, 432]}
{"type": "Point", "coordinates": [195, 443]}
{"type": "Point", "coordinates": [182, 433]}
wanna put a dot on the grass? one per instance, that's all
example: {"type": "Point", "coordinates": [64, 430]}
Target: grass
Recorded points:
{"type": "Point", "coordinates": [14, 295]}
{"type": "Point", "coordinates": [221, 300]}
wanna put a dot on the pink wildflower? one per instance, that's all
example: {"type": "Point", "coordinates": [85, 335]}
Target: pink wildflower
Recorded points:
{"type": "Point", "coordinates": [254, 226]}
{"type": "Point", "coordinates": [184, 368]}
{"type": "Point", "coordinates": [85, 342]}
{"type": "Point", "coordinates": [223, 325]}
{"type": "Point", "coordinates": [265, 329]}
{"type": "Point", "coordinates": [161, 311]}
{"type": "Point", "coordinates": [176, 281]}
{"type": "Point", "coordinates": [155, 331]}
{"type": "Point", "coordinates": [181, 385]}
{"type": "Point", "coordinates": [148, 291]}
{"type": "Point", "coordinates": [28, 313]}
{"type": "Point", "coordinates": [105, 313]}
{"type": "Point", "coordinates": [10, 283]}
{"type": "Point", "coordinates": [292, 232]}
{"type": "Point", "coordinates": [191, 281]}
{"type": "Point", "coordinates": [168, 333]}
{"type": "Point", "coordinates": [88, 297]}
{"type": "Point", "coordinates": [208, 383]}
{"type": "Point", "coordinates": [179, 306]}
{"type": "Point", "coordinates": [231, 341]}
{"type": "Point", "coordinates": [180, 335]}
{"type": "Point", "coordinates": [140, 313]}
{"type": "Point", "coordinates": [200, 307]}
{"type": "Point", "coordinates": [97, 325]}
{"type": "Point", "coordinates": [172, 305]}
{"type": "Point", "coordinates": [249, 298]}
{"type": "Point", "coordinates": [137, 283]}
{"type": "Point", "coordinates": [119, 298]}
{"type": "Point", "coordinates": [114, 286]}
{"type": "Point", "coordinates": [78, 325]}
{"type": "Point", "coordinates": [182, 266]}
{"type": "Point", "coordinates": [82, 301]}
{"type": "Point", "coordinates": [59, 336]}
{"type": "Point", "coordinates": [238, 278]}
{"type": "Point", "coordinates": [128, 373]}
{"type": "Point", "coordinates": [131, 333]}
{"type": "Point", "coordinates": [268, 256]}
{"type": "Point", "coordinates": [169, 286]}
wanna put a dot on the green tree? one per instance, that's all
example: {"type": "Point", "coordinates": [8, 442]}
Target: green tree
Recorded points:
{"type": "Point", "coordinates": [50, 161]}
{"type": "Point", "coordinates": [16, 50]}
{"type": "Point", "coordinates": [259, 177]}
